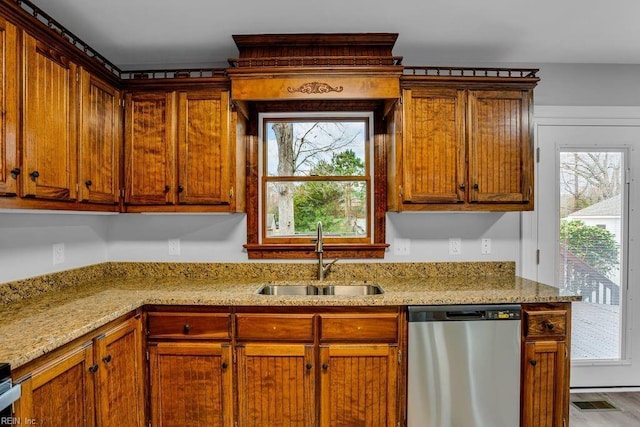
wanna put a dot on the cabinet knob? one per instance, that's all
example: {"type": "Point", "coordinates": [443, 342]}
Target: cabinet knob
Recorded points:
{"type": "Point", "coordinates": [533, 362]}
{"type": "Point", "coordinates": [309, 366]}
{"type": "Point", "coordinates": [107, 358]}
{"type": "Point", "coordinates": [325, 366]}
{"type": "Point", "coordinates": [34, 174]}
{"type": "Point", "coordinates": [180, 188]}
{"type": "Point", "coordinates": [93, 369]}
{"type": "Point", "coordinates": [462, 186]}
{"type": "Point", "coordinates": [224, 365]}
{"type": "Point", "coordinates": [88, 183]}
{"type": "Point", "coordinates": [15, 172]}
{"type": "Point", "coordinates": [475, 186]}
{"type": "Point", "coordinates": [167, 188]}
{"type": "Point", "coordinates": [186, 328]}
{"type": "Point", "coordinates": [549, 325]}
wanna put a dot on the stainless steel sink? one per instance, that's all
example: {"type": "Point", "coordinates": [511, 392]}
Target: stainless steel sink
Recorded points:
{"type": "Point", "coordinates": [352, 290]}
{"type": "Point", "coordinates": [329, 289]}
{"type": "Point", "coordinates": [288, 290]}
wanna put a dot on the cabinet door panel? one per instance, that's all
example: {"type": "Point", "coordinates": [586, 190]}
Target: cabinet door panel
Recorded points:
{"type": "Point", "coordinates": [49, 117]}
{"type": "Point", "coordinates": [60, 393]}
{"type": "Point", "coordinates": [276, 385]}
{"type": "Point", "coordinates": [204, 148]}
{"type": "Point", "coordinates": [100, 141]}
{"type": "Point", "coordinates": [544, 384]}
{"type": "Point", "coordinates": [191, 384]}
{"type": "Point", "coordinates": [358, 385]}
{"type": "Point", "coordinates": [120, 399]}
{"type": "Point", "coordinates": [150, 149]}
{"type": "Point", "coordinates": [501, 150]}
{"type": "Point", "coordinates": [433, 146]}
{"type": "Point", "coordinates": [9, 107]}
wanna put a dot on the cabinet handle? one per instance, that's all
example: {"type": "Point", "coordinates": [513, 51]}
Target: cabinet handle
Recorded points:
{"type": "Point", "coordinates": [167, 188]}
{"type": "Point", "coordinates": [462, 186]}
{"type": "Point", "coordinates": [549, 325]}
{"type": "Point", "coordinates": [88, 183]}
{"type": "Point", "coordinates": [15, 172]}
{"type": "Point", "coordinates": [34, 174]}
{"type": "Point", "coordinates": [180, 188]}
{"type": "Point", "coordinates": [107, 358]}
{"type": "Point", "coordinates": [224, 365]}
{"type": "Point", "coordinates": [309, 366]}
{"type": "Point", "coordinates": [186, 328]}
{"type": "Point", "coordinates": [533, 362]}
{"type": "Point", "coordinates": [325, 366]}
{"type": "Point", "coordinates": [93, 369]}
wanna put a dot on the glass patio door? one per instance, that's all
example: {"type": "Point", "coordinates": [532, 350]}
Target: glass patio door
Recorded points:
{"type": "Point", "coordinates": [583, 237]}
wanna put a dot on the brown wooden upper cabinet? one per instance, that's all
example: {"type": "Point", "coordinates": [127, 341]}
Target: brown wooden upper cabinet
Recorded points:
{"type": "Point", "coordinates": [9, 163]}
{"type": "Point", "coordinates": [180, 151]}
{"type": "Point", "coordinates": [458, 148]}
{"type": "Point", "coordinates": [100, 141]}
{"type": "Point", "coordinates": [49, 123]}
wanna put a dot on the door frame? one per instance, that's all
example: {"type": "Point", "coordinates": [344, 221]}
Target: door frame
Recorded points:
{"type": "Point", "coordinates": [584, 116]}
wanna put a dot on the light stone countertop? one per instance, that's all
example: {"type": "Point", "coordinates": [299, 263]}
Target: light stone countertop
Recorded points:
{"type": "Point", "coordinates": [34, 326]}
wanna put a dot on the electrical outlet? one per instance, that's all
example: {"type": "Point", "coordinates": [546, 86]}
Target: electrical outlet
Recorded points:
{"type": "Point", "coordinates": [174, 247]}
{"type": "Point", "coordinates": [485, 247]}
{"type": "Point", "coordinates": [402, 246]}
{"type": "Point", "coordinates": [58, 253]}
{"type": "Point", "coordinates": [455, 246]}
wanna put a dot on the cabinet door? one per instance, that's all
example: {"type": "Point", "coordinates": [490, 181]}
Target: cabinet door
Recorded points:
{"type": "Point", "coordinates": [204, 150]}
{"type": "Point", "coordinates": [49, 123]}
{"type": "Point", "coordinates": [120, 398]}
{"type": "Point", "coordinates": [191, 384]}
{"type": "Point", "coordinates": [60, 393]}
{"type": "Point", "coordinates": [100, 141]}
{"type": "Point", "coordinates": [544, 397]}
{"type": "Point", "coordinates": [500, 146]}
{"type": "Point", "coordinates": [9, 163]}
{"type": "Point", "coordinates": [433, 148]}
{"type": "Point", "coordinates": [358, 385]}
{"type": "Point", "coordinates": [276, 385]}
{"type": "Point", "coordinates": [150, 149]}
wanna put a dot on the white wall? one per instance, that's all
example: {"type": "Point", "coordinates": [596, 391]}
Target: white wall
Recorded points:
{"type": "Point", "coordinates": [26, 242]}
{"type": "Point", "coordinates": [26, 239]}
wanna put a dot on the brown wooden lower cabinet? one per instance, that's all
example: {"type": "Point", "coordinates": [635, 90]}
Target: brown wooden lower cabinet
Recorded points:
{"type": "Point", "coordinates": [276, 385]}
{"type": "Point", "coordinates": [191, 384]}
{"type": "Point", "coordinates": [98, 382]}
{"type": "Point", "coordinates": [545, 365]}
{"type": "Point", "coordinates": [358, 385]}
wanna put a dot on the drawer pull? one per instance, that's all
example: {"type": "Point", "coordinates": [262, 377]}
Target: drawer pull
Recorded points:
{"type": "Point", "coordinates": [186, 328]}
{"type": "Point", "coordinates": [549, 325]}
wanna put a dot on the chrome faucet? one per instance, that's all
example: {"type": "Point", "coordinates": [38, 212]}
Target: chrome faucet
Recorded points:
{"type": "Point", "coordinates": [323, 269]}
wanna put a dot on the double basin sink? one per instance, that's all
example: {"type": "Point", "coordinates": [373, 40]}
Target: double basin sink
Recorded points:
{"type": "Point", "coordinates": [331, 289]}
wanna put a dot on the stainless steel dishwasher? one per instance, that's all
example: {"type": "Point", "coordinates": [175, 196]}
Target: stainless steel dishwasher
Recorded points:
{"type": "Point", "coordinates": [464, 366]}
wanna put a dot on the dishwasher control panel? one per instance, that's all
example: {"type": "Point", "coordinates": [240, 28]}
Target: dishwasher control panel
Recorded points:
{"type": "Point", "coordinates": [503, 314]}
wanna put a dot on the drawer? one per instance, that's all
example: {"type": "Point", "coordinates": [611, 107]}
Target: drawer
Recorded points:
{"type": "Point", "coordinates": [189, 325]}
{"type": "Point", "coordinates": [270, 327]}
{"type": "Point", "coordinates": [547, 323]}
{"type": "Point", "coordinates": [382, 327]}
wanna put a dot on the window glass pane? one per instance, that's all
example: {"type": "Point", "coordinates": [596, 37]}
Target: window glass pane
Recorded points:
{"type": "Point", "coordinates": [315, 148]}
{"type": "Point", "coordinates": [293, 209]}
{"type": "Point", "coordinates": [591, 242]}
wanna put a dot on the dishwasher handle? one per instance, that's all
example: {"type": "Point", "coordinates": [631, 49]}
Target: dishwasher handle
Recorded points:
{"type": "Point", "coordinates": [8, 397]}
{"type": "Point", "coordinates": [452, 313]}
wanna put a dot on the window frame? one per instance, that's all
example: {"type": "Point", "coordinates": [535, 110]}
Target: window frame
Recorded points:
{"type": "Point", "coordinates": [383, 132]}
{"type": "Point", "coordinates": [264, 178]}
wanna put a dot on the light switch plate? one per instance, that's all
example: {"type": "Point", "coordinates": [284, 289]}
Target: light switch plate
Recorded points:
{"type": "Point", "coordinates": [485, 247]}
